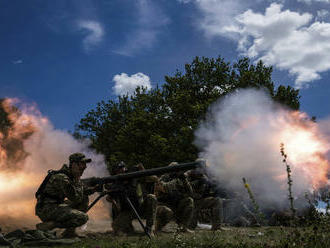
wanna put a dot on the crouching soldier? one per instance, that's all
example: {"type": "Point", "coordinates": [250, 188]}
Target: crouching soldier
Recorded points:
{"type": "Point", "coordinates": [134, 190]}
{"type": "Point", "coordinates": [173, 193]}
{"type": "Point", "coordinates": [205, 198]}
{"type": "Point", "coordinates": [62, 199]}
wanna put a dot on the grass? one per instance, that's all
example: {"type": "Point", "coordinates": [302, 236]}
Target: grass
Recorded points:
{"type": "Point", "coordinates": [309, 231]}
{"type": "Point", "coordinates": [312, 236]}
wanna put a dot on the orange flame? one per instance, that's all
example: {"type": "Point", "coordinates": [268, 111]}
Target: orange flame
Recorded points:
{"type": "Point", "coordinates": [13, 199]}
{"type": "Point", "coordinates": [29, 146]}
{"type": "Point", "coordinates": [306, 148]}
{"type": "Point", "coordinates": [304, 144]}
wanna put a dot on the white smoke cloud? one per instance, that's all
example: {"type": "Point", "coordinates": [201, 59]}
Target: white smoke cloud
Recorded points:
{"type": "Point", "coordinates": [47, 148]}
{"type": "Point", "coordinates": [325, 129]}
{"type": "Point", "coordinates": [242, 138]}
{"type": "Point", "coordinates": [125, 84]}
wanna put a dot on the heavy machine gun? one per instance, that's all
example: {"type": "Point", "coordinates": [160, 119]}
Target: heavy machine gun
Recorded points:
{"type": "Point", "coordinates": [118, 180]}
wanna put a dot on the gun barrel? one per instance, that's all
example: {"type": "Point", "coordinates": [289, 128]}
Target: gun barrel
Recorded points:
{"type": "Point", "coordinates": [151, 172]}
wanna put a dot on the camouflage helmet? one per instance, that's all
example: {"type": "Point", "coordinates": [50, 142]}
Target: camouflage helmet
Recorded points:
{"type": "Point", "coordinates": [119, 166]}
{"type": "Point", "coordinates": [79, 157]}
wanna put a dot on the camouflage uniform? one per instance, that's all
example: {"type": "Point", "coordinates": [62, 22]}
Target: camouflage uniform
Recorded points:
{"type": "Point", "coordinates": [144, 203]}
{"type": "Point", "coordinates": [63, 200]}
{"type": "Point", "coordinates": [122, 221]}
{"type": "Point", "coordinates": [202, 194]}
{"type": "Point", "coordinates": [164, 215]}
{"type": "Point", "coordinates": [175, 201]}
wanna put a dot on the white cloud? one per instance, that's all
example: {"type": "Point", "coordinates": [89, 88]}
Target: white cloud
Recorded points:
{"type": "Point", "coordinates": [95, 33]}
{"type": "Point", "coordinates": [184, 1]}
{"type": "Point", "coordinates": [322, 14]}
{"type": "Point", "coordinates": [311, 1]}
{"type": "Point", "coordinates": [19, 61]}
{"type": "Point", "coordinates": [217, 14]}
{"type": "Point", "coordinates": [286, 39]}
{"type": "Point", "coordinates": [150, 21]}
{"type": "Point", "coordinates": [125, 84]}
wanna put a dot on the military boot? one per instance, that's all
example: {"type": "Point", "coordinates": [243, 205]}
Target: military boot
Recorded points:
{"type": "Point", "coordinates": [46, 226]}
{"type": "Point", "coordinates": [70, 233]}
{"type": "Point", "coordinates": [159, 226]}
{"type": "Point", "coordinates": [185, 229]}
{"type": "Point", "coordinates": [150, 231]}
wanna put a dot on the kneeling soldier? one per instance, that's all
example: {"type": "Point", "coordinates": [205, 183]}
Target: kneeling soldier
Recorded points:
{"type": "Point", "coordinates": [144, 202]}
{"type": "Point", "coordinates": [62, 199]}
{"type": "Point", "coordinates": [205, 198]}
{"type": "Point", "coordinates": [173, 193]}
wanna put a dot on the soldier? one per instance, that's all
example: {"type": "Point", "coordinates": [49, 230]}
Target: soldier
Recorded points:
{"type": "Point", "coordinates": [62, 199]}
{"type": "Point", "coordinates": [144, 202]}
{"type": "Point", "coordinates": [205, 198]}
{"type": "Point", "coordinates": [173, 194]}
{"type": "Point", "coordinates": [121, 215]}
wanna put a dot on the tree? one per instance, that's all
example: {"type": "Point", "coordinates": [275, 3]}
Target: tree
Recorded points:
{"type": "Point", "coordinates": [133, 129]}
{"type": "Point", "coordinates": [156, 127]}
{"type": "Point", "coordinates": [205, 80]}
{"type": "Point", "coordinates": [287, 96]}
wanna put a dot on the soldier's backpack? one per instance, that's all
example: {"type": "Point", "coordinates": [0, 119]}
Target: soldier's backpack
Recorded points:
{"type": "Point", "coordinates": [40, 192]}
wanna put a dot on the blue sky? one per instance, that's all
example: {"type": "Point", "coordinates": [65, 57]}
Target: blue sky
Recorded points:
{"type": "Point", "coordinates": [68, 55]}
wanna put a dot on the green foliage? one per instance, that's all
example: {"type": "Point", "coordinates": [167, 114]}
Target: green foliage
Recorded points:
{"type": "Point", "coordinates": [157, 127]}
{"type": "Point", "coordinates": [257, 211]}
{"type": "Point", "coordinates": [134, 129]}
{"type": "Point", "coordinates": [288, 170]}
{"type": "Point", "coordinates": [288, 96]}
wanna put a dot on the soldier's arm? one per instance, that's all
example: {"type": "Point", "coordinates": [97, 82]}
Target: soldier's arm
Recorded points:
{"type": "Point", "coordinates": [187, 186]}
{"type": "Point", "coordinates": [159, 189]}
{"type": "Point", "coordinates": [196, 187]}
{"type": "Point", "coordinates": [92, 190]}
{"type": "Point", "coordinates": [167, 187]}
{"type": "Point", "coordinates": [150, 179]}
{"type": "Point", "coordinates": [65, 186]}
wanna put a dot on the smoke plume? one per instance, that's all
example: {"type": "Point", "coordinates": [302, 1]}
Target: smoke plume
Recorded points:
{"type": "Point", "coordinates": [241, 138]}
{"type": "Point", "coordinates": [39, 148]}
